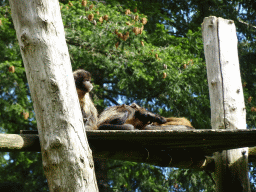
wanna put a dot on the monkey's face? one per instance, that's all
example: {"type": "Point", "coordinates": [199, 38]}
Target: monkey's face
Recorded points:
{"type": "Point", "coordinates": [83, 80]}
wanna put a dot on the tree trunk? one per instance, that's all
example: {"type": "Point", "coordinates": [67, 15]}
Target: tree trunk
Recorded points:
{"type": "Point", "coordinates": [227, 100]}
{"type": "Point", "coordinates": [67, 158]}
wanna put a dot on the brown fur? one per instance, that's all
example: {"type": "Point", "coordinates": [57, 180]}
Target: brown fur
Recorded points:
{"type": "Point", "coordinates": [83, 87]}
{"type": "Point", "coordinates": [121, 117]}
{"type": "Point", "coordinates": [132, 116]}
{"type": "Point", "coordinates": [175, 121]}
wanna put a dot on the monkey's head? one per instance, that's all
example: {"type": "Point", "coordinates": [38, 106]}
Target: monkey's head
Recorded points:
{"type": "Point", "coordinates": [83, 80]}
{"type": "Point", "coordinates": [145, 117]}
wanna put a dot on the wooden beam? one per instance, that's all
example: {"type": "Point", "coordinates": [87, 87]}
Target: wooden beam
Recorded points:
{"type": "Point", "coordinates": [227, 100]}
{"type": "Point", "coordinates": [179, 147]}
{"type": "Point", "coordinates": [16, 142]}
{"type": "Point", "coordinates": [208, 140]}
{"type": "Point", "coordinates": [175, 137]}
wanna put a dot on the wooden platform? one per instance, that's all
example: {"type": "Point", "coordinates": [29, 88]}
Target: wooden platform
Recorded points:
{"type": "Point", "coordinates": [179, 138]}
{"type": "Point", "coordinates": [178, 147]}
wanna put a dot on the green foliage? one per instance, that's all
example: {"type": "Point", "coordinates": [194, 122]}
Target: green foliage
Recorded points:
{"type": "Point", "coordinates": [16, 112]}
{"type": "Point", "coordinates": [132, 67]}
{"type": "Point", "coordinates": [142, 177]}
{"type": "Point", "coordinates": [14, 94]}
{"type": "Point", "coordinates": [248, 73]}
{"type": "Point", "coordinates": [179, 17]}
{"type": "Point", "coordinates": [128, 60]}
{"type": "Point", "coordinates": [133, 71]}
{"type": "Point", "coordinates": [193, 181]}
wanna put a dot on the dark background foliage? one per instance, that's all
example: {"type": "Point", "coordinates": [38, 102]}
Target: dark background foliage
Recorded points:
{"type": "Point", "coordinates": [128, 69]}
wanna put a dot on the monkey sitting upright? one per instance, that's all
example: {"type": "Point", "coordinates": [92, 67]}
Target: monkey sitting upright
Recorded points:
{"type": "Point", "coordinates": [83, 87]}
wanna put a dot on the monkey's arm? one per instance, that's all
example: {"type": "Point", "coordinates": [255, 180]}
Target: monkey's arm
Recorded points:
{"type": "Point", "coordinates": [117, 123]}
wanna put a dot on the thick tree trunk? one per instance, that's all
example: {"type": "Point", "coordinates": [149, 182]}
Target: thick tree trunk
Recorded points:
{"type": "Point", "coordinates": [67, 158]}
{"type": "Point", "coordinates": [227, 100]}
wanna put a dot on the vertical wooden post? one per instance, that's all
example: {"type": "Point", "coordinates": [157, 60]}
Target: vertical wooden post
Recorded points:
{"type": "Point", "coordinates": [227, 100]}
{"type": "Point", "coordinates": [67, 158]}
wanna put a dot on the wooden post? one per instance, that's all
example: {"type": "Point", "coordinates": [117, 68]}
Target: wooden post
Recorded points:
{"type": "Point", "coordinates": [67, 158]}
{"type": "Point", "coordinates": [227, 100]}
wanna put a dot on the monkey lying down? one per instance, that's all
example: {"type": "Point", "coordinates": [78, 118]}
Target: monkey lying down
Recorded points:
{"type": "Point", "coordinates": [121, 117]}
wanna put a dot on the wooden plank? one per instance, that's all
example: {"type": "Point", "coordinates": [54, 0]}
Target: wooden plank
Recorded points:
{"type": "Point", "coordinates": [207, 140]}
{"type": "Point", "coordinates": [180, 148]}
{"type": "Point", "coordinates": [227, 100]}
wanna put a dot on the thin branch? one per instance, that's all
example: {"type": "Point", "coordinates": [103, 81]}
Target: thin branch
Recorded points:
{"type": "Point", "coordinates": [248, 24]}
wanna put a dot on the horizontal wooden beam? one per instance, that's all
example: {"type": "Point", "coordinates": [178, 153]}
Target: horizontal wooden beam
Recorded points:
{"type": "Point", "coordinates": [19, 142]}
{"type": "Point", "coordinates": [205, 140]}
{"type": "Point", "coordinates": [180, 148]}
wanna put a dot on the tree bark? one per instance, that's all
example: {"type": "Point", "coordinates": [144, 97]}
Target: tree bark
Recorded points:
{"type": "Point", "coordinates": [227, 100]}
{"type": "Point", "coordinates": [67, 158]}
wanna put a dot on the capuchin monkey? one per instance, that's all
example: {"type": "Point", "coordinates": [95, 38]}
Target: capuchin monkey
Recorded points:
{"type": "Point", "coordinates": [83, 87]}
{"type": "Point", "coordinates": [127, 117]}
{"type": "Point", "coordinates": [130, 117]}
{"type": "Point", "coordinates": [121, 117]}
